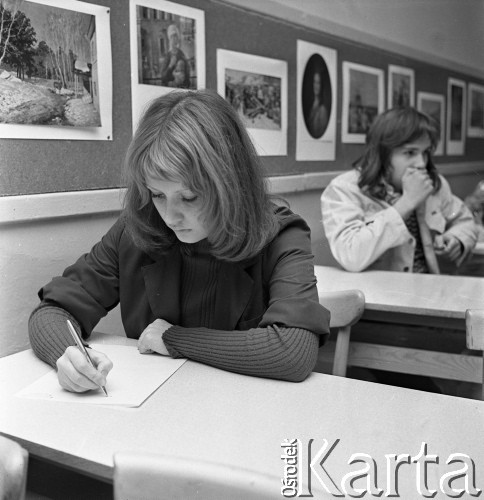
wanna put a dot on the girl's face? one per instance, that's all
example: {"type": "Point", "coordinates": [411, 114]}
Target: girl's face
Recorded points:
{"type": "Point", "coordinates": [410, 155]}
{"type": "Point", "coordinates": [179, 208]}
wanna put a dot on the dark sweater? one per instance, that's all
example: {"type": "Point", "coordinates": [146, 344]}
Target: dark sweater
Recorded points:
{"type": "Point", "coordinates": [273, 352]}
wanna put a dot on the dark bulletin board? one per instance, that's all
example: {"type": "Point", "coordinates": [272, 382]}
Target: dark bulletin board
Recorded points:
{"type": "Point", "coordinates": [45, 166]}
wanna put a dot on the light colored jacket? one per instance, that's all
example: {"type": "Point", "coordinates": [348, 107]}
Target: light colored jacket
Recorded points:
{"type": "Point", "coordinates": [366, 233]}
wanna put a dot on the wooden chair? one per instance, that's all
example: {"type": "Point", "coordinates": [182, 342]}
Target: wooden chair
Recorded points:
{"type": "Point", "coordinates": [475, 335]}
{"type": "Point", "coordinates": [346, 308]}
{"type": "Point", "coordinates": [149, 476]}
{"type": "Point", "coordinates": [13, 470]}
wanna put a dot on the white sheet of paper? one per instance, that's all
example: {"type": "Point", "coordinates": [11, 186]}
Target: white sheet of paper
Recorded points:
{"type": "Point", "coordinates": [132, 380]}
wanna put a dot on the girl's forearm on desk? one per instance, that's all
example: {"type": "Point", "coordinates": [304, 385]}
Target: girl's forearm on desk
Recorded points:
{"type": "Point", "coordinates": [281, 353]}
{"type": "Point", "coordinates": [273, 352]}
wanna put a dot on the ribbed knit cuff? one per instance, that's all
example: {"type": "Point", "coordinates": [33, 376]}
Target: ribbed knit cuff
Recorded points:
{"type": "Point", "coordinates": [48, 332]}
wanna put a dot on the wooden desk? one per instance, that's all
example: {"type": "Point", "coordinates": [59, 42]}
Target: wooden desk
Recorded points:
{"type": "Point", "coordinates": [418, 299]}
{"type": "Point", "coordinates": [215, 415]}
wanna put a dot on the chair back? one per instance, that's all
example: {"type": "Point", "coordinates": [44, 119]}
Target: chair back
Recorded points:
{"type": "Point", "coordinates": [475, 335]}
{"type": "Point", "coordinates": [346, 308]}
{"type": "Point", "coordinates": [149, 476]}
{"type": "Point", "coordinates": [13, 470]}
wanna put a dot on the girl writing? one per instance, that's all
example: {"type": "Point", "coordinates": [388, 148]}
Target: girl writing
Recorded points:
{"type": "Point", "coordinates": [204, 265]}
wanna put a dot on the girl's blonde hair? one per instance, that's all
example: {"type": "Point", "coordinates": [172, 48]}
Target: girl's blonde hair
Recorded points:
{"type": "Point", "coordinates": [196, 138]}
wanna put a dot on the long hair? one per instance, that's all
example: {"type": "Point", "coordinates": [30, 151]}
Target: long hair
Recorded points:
{"type": "Point", "coordinates": [390, 130]}
{"type": "Point", "coordinates": [196, 138]}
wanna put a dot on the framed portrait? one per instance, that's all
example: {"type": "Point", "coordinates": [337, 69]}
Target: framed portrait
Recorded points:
{"type": "Point", "coordinates": [434, 106]}
{"type": "Point", "coordinates": [363, 100]}
{"type": "Point", "coordinates": [167, 50]}
{"type": "Point", "coordinates": [65, 90]}
{"type": "Point", "coordinates": [316, 102]}
{"type": "Point", "coordinates": [257, 88]}
{"type": "Point", "coordinates": [401, 87]}
{"type": "Point", "coordinates": [475, 111]}
{"type": "Point", "coordinates": [456, 116]}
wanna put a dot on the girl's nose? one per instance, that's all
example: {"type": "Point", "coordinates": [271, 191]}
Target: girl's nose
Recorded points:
{"type": "Point", "coordinates": [173, 215]}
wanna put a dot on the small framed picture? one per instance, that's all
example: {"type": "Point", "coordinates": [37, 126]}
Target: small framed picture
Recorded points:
{"type": "Point", "coordinates": [456, 116]}
{"type": "Point", "coordinates": [475, 111]}
{"type": "Point", "coordinates": [401, 87]}
{"type": "Point", "coordinates": [363, 100]}
{"type": "Point", "coordinates": [167, 50]}
{"type": "Point", "coordinates": [56, 81]}
{"type": "Point", "coordinates": [257, 88]}
{"type": "Point", "coordinates": [316, 102]}
{"type": "Point", "coordinates": [434, 106]}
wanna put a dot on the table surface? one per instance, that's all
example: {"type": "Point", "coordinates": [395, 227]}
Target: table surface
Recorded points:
{"type": "Point", "coordinates": [213, 415]}
{"type": "Point", "coordinates": [433, 295]}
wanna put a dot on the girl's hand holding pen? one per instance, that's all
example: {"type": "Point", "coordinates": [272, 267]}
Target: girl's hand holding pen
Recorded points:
{"type": "Point", "coordinates": [76, 374]}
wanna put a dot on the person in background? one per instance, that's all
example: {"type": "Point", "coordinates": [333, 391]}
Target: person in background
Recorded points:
{"type": "Point", "coordinates": [204, 264]}
{"type": "Point", "coordinates": [394, 212]}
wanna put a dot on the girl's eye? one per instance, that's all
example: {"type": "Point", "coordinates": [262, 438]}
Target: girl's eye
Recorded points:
{"type": "Point", "coordinates": [157, 195]}
{"type": "Point", "coordinates": [190, 200]}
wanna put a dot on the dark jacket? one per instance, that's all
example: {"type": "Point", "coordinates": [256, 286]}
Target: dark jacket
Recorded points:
{"type": "Point", "coordinates": [277, 287]}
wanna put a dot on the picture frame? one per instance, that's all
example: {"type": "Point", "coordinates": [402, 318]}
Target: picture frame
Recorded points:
{"type": "Point", "coordinates": [475, 111]}
{"type": "Point", "coordinates": [401, 86]}
{"type": "Point", "coordinates": [167, 46]}
{"type": "Point", "coordinates": [257, 88]}
{"type": "Point", "coordinates": [316, 102]}
{"type": "Point", "coordinates": [456, 116]}
{"type": "Point", "coordinates": [434, 106]}
{"type": "Point", "coordinates": [363, 100]}
{"type": "Point", "coordinates": [66, 94]}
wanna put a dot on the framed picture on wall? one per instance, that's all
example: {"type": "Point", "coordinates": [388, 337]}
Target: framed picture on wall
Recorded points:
{"type": "Point", "coordinates": [363, 100]}
{"type": "Point", "coordinates": [456, 116]}
{"type": "Point", "coordinates": [316, 102]}
{"type": "Point", "coordinates": [167, 50]}
{"type": "Point", "coordinates": [257, 88]}
{"type": "Point", "coordinates": [475, 111]}
{"type": "Point", "coordinates": [56, 80]}
{"type": "Point", "coordinates": [434, 106]}
{"type": "Point", "coordinates": [401, 87]}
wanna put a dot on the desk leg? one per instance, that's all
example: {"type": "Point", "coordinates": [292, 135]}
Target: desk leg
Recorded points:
{"type": "Point", "coordinates": [341, 352]}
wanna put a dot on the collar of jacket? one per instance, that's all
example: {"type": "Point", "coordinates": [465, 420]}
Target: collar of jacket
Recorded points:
{"type": "Point", "coordinates": [234, 286]}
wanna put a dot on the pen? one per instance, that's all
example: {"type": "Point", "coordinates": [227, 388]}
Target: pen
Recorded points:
{"type": "Point", "coordinates": [82, 348]}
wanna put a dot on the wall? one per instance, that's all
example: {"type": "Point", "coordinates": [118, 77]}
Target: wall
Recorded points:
{"type": "Point", "coordinates": [446, 32]}
{"type": "Point", "coordinates": [33, 249]}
